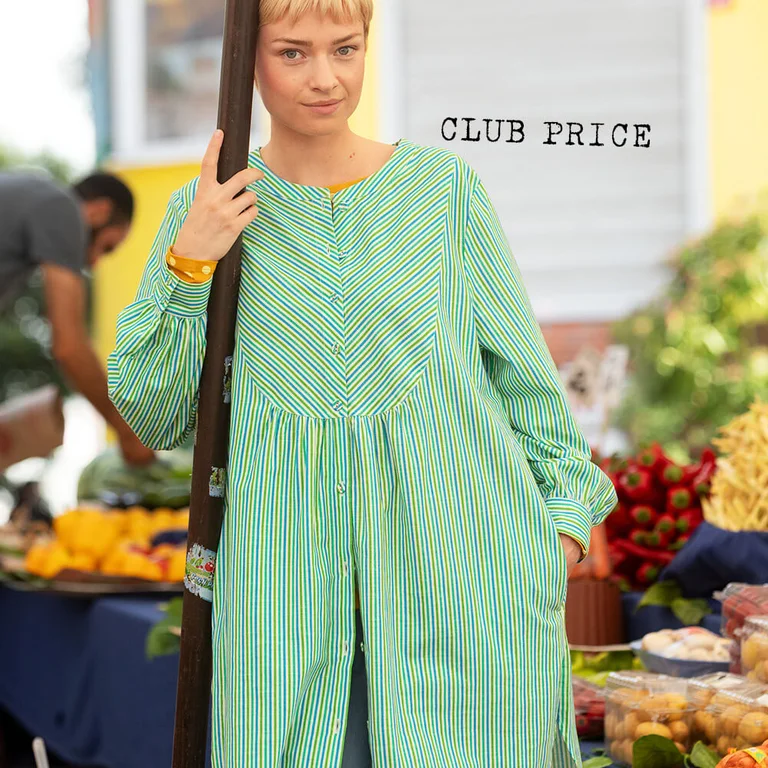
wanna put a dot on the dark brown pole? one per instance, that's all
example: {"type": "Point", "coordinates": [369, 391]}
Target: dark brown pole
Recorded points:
{"type": "Point", "coordinates": [212, 438]}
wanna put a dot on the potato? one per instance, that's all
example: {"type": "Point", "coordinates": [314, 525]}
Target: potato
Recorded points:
{"type": "Point", "coordinates": [729, 720]}
{"type": "Point", "coordinates": [653, 729]}
{"type": "Point", "coordinates": [679, 730]}
{"type": "Point", "coordinates": [610, 726]}
{"type": "Point", "coordinates": [707, 725]}
{"type": "Point", "coordinates": [619, 731]}
{"type": "Point", "coordinates": [754, 728]}
{"type": "Point", "coordinates": [750, 651]}
{"type": "Point", "coordinates": [681, 748]}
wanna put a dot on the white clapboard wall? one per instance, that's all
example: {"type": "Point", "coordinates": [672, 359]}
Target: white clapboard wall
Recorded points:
{"type": "Point", "coordinates": [590, 227]}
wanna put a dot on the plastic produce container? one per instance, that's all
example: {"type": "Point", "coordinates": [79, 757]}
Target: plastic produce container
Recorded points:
{"type": "Point", "coordinates": [738, 719]}
{"type": "Point", "coordinates": [589, 701]}
{"type": "Point", "coordinates": [642, 704]}
{"type": "Point", "coordinates": [739, 602]}
{"type": "Point", "coordinates": [704, 692]}
{"type": "Point", "coordinates": [754, 649]}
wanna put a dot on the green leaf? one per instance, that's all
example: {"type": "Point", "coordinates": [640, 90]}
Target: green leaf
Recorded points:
{"type": "Point", "coordinates": [690, 612]}
{"type": "Point", "coordinates": [598, 762]}
{"type": "Point", "coordinates": [173, 610]}
{"type": "Point", "coordinates": [662, 593]}
{"type": "Point", "coordinates": [161, 642]}
{"type": "Point", "coordinates": [656, 752]}
{"type": "Point", "coordinates": [703, 757]}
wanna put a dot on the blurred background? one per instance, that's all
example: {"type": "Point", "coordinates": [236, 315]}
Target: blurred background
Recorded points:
{"type": "Point", "coordinates": [647, 266]}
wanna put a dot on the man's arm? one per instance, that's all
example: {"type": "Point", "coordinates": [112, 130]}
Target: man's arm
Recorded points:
{"type": "Point", "coordinates": [72, 349]}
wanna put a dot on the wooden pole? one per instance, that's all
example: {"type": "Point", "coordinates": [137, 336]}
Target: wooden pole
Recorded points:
{"type": "Point", "coordinates": [212, 437]}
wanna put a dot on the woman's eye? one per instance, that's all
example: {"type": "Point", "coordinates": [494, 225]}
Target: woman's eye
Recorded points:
{"type": "Point", "coordinates": [290, 58]}
{"type": "Point", "coordinates": [349, 48]}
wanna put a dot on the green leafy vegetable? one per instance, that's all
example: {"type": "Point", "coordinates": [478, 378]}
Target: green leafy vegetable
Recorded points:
{"type": "Point", "coordinates": [703, 757]}
{"type": "Point", "coordinates": [161, 641]}
{"type": "Point", "coordinates": [656, 752]}
{"type": "Point", "coordinates": [690, 612]}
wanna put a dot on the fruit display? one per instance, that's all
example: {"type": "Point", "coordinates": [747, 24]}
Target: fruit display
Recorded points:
{"type": "Point", "coordinates": [641, 704]}
{"type": "Point", "coordinates": [166, 483]}
{"type": "Point", "coordinates": [739, 498]}
{"type": "Point", "coordinates": [660, 505]}
{"type": "Point", "coordinates": [739, 601]}
{"type": "Point", "coordinates": [589, 702]}
{"type": "Point", "coordinates": [736, 718]}
{"type": "Point", "coordinates": [754, 648]}
{"type": "Point", "coordinates": [689, 643]}
{"type": "Point", "coordinates": [112, 543]}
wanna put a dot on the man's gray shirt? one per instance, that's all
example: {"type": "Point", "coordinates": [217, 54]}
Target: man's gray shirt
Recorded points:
{"type": "Point", "coordinates": [40, 223]}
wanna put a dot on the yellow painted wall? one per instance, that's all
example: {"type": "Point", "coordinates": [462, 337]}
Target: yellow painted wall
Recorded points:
{"type": "Point", "coordinates": [117, 277]}
{"type": "Point", "coordinates": [738, 75]}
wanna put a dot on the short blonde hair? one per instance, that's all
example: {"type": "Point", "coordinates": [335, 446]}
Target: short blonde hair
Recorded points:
{"type": "Point", "coordinates": [340, 11]}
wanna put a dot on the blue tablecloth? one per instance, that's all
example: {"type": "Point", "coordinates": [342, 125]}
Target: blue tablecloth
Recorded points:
{"type": "Point", "coordinates": [74, 671]}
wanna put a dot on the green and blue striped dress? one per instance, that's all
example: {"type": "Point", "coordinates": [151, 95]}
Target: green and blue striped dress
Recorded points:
{"type": "Point", "coordinates": [397, 419]}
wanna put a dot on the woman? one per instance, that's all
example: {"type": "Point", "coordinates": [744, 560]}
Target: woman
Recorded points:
{"type": "Point", "coordinates": [399, 436]}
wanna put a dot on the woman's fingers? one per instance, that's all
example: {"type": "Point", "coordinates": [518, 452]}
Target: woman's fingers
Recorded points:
{"type": "Point", "coordinates": [240, 181]}
{"type": "Point", "coordinates": [242, 203]}
{"type": "Point", "coordinates": [210, 166]}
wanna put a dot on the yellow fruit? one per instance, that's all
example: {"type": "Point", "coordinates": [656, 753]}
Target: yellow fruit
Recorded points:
{"type": "Point", "coordinates": [754, 728]}
{"type": "Point", "coordinates": [630, 725]}
{"type": "Point", "coordinates": [681, 747]}
{"type": "Point", "coordinates": [177, 566]}
{"type": "Point", "coordinates": [83, 562]}
{"type": "Point", "coordinates": [679, 731]}
{"type": "Point", "coordinates": [730, 719]}
{"type": "Point", "coordinates": [653, 729]}
{"type": "Point", "coordinates": [723, 745]}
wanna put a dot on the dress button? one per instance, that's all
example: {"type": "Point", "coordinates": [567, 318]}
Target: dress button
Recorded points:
{"type": "Point", "coordinates": [345, 567]}
{"type": "Point", "coordinates": [206, 270]}
{"type": "Point", "coordinates": [337, 405]}
{"type": "Point", "coordinates": [172, 261]}
{"type": "Point", "coordinates": [345, 648]}
{"type": "Point", "coordinates": [336, 725]}
{"type": "Point", "coordinates": [335, 349]}
{"type": "Point", "coordinates": [341, 487]}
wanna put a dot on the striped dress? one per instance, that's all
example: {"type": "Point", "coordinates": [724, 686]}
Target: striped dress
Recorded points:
{"type": "Point", "coordinates": [397, 420]}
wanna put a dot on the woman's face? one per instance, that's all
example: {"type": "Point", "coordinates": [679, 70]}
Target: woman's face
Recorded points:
{"type": "Point", "coordinates": [312, 61]}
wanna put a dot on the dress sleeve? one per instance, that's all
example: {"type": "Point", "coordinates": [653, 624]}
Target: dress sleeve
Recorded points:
{"type": "Point", "coordinates": [578, 494]}
{"type": "Point", "coordinates": [154, 370]}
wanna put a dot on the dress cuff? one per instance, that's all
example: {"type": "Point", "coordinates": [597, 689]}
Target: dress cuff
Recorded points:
{"type": "Point", "coordinates": [190, 270]}
{"type": "Point", "coordinates": [179, 297]}
{"type": "Point", "coordinates": [573, 519]}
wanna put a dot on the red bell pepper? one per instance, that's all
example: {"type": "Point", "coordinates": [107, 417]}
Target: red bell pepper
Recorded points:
{"type": "Point", "coordinates": [671, 475]}
{"type": "Point", "coordinates": [661, 557]}
{"type": "Point", "coordinates": [679, 497]}
{"type": "Point", "coordinates": [679, 542]}
{"type": "Point", "coordinates": [701, 481]}
{"type": "Point", "coordinates": [653, 459]}
{"type": "Point", "coordinates": [638, 537]}
{"type": "Point", "coordinates": [643, 515]}
{"type": "Point", "coordinates": [659, 539]}
{"type": "Point", "coordinates": [665, 523]}
{"type": "Point", "coordinates": [689, 520]}
{"type": "Point", "coordinates": [619, 521]}
{"type": "Point", "coordinates": [648, 573]}
{"type": "Point", "coordinates": [637, 485]}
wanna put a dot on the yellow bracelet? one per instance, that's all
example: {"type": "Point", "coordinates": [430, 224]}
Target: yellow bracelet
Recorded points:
{"type": "Point", "coordinates": [190, 270]}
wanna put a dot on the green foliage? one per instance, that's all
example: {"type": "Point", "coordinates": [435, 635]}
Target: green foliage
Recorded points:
{"type": "Point", "coordinates": [668, 595]}
{"type": "Point", "coordinates": [161, 639]}
{"type": "Point", "coordinates": [699, 353]}
{"type": "Point", "coordinates": [24, 331]}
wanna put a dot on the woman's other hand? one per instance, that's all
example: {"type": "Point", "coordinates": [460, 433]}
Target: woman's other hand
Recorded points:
{"type": "Point", "coordinates": [572, 551]}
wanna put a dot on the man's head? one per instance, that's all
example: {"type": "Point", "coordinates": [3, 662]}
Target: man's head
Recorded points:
{"type": "Point", "coordinates": [309, 52]}
{"type": "Point", "coordinates": [107, 208]}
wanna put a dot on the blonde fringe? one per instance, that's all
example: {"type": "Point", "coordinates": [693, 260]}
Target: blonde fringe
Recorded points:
{"type": "Point", "coordinates": [340, 11]}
